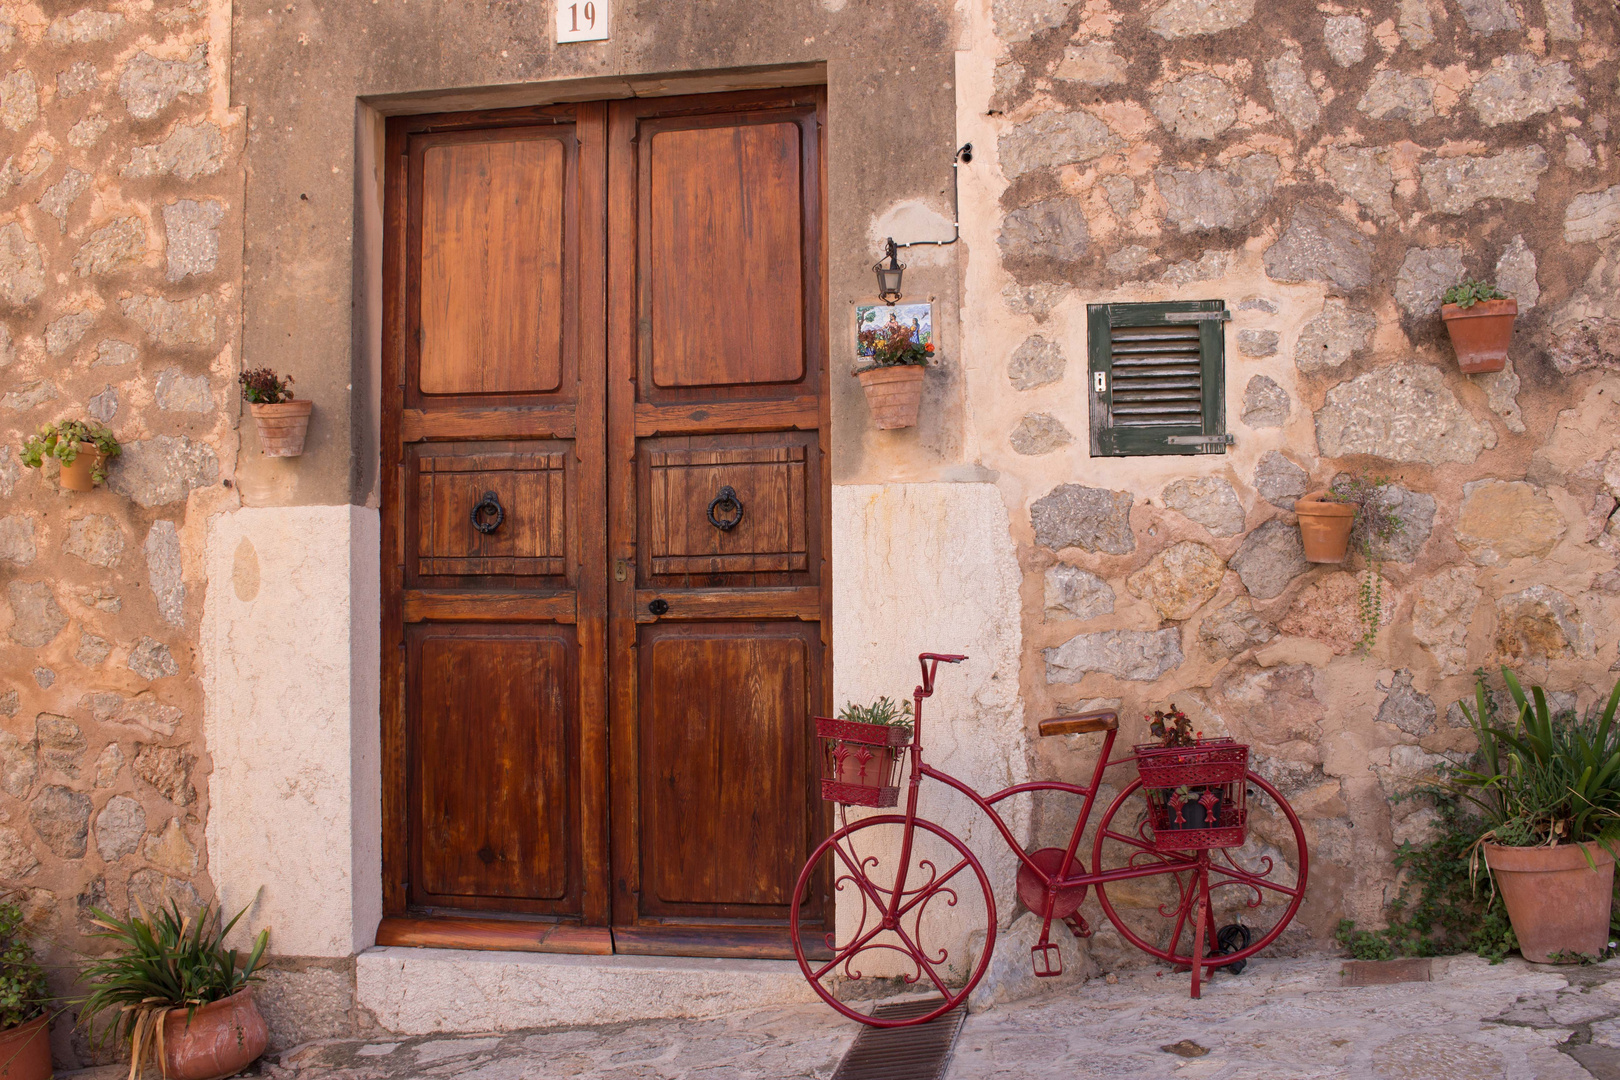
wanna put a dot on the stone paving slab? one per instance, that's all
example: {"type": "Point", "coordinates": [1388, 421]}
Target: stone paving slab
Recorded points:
{"type": "Point", "coordinates": [1280, 1020]}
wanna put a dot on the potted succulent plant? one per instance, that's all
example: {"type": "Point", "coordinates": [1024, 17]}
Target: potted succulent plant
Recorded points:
{"type": "Point", "coordinates": [898, 355]}
{"type": "Point", "coordinates": [1549, 788]}
{"type": "Point", "coordinates": [83, 450]}
{"type": "Point", "coordinates": [1480, 322]}
{"type": "Point", "coordinates": [282, 419]}
{"type": "Point", "coordinates": [862, 748]}
{"type": "Point", "coordinates": [176, 994]}
{"type": "Point", "coordinates": [25, 1031]}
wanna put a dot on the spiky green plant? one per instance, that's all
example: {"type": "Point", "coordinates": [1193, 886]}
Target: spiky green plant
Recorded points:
{"type": "Point", "coordinates": [1547, 779]}
{"type": "Point", "coordinates": [170, 962]}
{"type": "Point", "coordinates": [885, 711]}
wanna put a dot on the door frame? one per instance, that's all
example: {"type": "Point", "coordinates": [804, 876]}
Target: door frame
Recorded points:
{"type": "Point", "coordinates": [601, 698]}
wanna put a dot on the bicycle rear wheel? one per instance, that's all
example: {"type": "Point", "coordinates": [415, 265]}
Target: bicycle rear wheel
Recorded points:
{"type": "Point", "coordinates": [1257, 888]}
{"type": "Point", "coordinates": [915, 928]}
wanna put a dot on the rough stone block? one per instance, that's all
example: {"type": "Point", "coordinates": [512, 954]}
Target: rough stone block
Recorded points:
{"type": "Point", "coordinates": [1020, 20]}
{"type": "Point", "coordinates": [1192, 18]}
{"type": "Point", "coordinates": [155, 890]}
{"type": "Point", "coordinates": [1395, 95]}
{"type": "Point", "coordinates": [149, 85]}
{"type": "Point", "coordinates": [1265, 404]}
{"type": "Point", "coordinates": [1055, 138]}
{"type": "Point", "coordinates": [1328, 610]}
{"type": "Point", "coordinates": [1233, 629]}
{"type": "Point", "coordinates": [1035, 363]}
{"type": "Point", "coordinates": [1052, 229]}
{"type": "Point", "coordinates": [1179, 580]}
{"type": "Point", "coordinates": [1501, 520]}
{"type": "Point", "coordinates": [1095, 64]}
{"type": "Point", "coordinates": [92, 650]}
{"type": "Point", "coordinates": [1218, 198]}
{"type": "Point", "coordinates": [95, 538]}
{"type": "Point", "coordinates": [1038, 433]}
{"type": "Point", "coordinates": [115, 247]}
{"type": "Point", "coordinates": [1441, 615]}
{"type": "Point", "coordinates": [64, 333]}
{"type": "Point", "coordinates": [61, 817]}
{"type": "Point", "coordinates": [192, 230]}
{"type": "Point", "coordinates": [120, 827]}
{"type": "Point", "coordinates": [1400, 412]}
{"type": "Point", "coordinates": [190, 151]}
{"type": "Point", "coordinates": [1073, 515]}
{"type": "Point", "coordinates": [81, 78]}
{"type": "Point", "coordinates": [168, 770]}
{"type": "Point", "coordinates": [60, 196]}
{"type": "Point", "coordinates": [84, 27]}
{"type": "Point", "coordinates": [176, 391]}
{"type": "Point", "coordinates": [1489, 16]}
{"type": "Point", "coordinates": [19, 100]}
{"type": "Point", "coordinates": [1405, 707]}
{"type": "Point", "coordinates": [1210, 500]}
{"type": "Point", "coordinates": [1415, 512]}
{"type": "Point", "coordinates": [1258, 343]}
{"type": "Point", "coordinates": [1137, 655]}
{"type": "Point", "coordinates": [1320, 245]}
{"type": "Point", "coordinates": [162, 470]}
{"type": "Point", "coordinates": [163, 571]}
{"type": "Point", "coordinates": [29, 395]}
{"type": "Point", "coordinates": [1198, 107]}
{"type": "Point", "coordinates": [151, 659]}
{"type": "Point", "coordinates": [1333, 337]}
{"type": "Point", "coordinates": [1453, 185]}
{"type": "Point", "coordinates": [87, 132]}
{"type": "Point", "coordinates": [1363, 173]}
{"type": "Point", "coordinates": [36, 618]}
{"type": "Point", "coordinates": [1417, 24]}
{"type": "Point", "coordinates": [103, 406]}
{"type": "Point", "coordinates": [1279, 480]}
{"type": "Point", "coordinates": [1073, 593]}
{"type": "Point", "coordinates": [1269, 558]}
{"type": "Point", "coordinates": [306, 1002]}
{"type": "Point", "coordinates": [19, 760]}
{"type": "Point", "coordinates": [1593, 216]}
{"type": "Point", "coordinates": [22, 267]}
{"type": "Point", "coordinates": [1517, 88]}
{"type": "Point", "coordinates": [1346, 38]}
{"type": "Point", "coordinates": [1541, 624]}
{"type": "Point", "coordinates": [1291, 91]}
{"type": "Point", "coordinates": [17, 539]}
{"type": "Point", "coordinates": [1424, 277]}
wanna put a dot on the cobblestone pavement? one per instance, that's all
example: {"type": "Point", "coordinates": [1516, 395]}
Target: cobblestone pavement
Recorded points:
{"type": "Point", "coordinates": [1280, 1020]}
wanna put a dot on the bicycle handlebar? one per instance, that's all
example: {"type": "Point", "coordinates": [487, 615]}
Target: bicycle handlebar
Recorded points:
{"type": "Point", "coordinates": [931, 661]}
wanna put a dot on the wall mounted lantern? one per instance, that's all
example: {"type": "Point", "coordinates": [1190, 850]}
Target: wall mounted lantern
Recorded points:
{"type": "Point", "coordinates": [889, 276]}
{"type": "Point", "coordinates": [890, 273]}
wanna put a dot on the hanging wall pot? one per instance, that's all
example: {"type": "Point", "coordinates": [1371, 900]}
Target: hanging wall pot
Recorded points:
{"type": "Point", "coordinates": [1324, 527]}
{"type": "Point", "coordinates": [1480, 322]}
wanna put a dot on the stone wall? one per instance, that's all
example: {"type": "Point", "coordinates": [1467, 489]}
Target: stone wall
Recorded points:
{"type": "Point", "coordinates": [120, 278]}
{"type": "Point", "coordinates": [1327, 170]}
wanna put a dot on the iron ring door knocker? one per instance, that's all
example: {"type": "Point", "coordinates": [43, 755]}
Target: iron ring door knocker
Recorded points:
{"type": "Point", "coordinates": [727, 497]}
{"type": "Point", "coordinates": [491, 506]}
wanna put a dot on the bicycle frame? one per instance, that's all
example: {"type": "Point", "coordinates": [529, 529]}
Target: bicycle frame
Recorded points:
{"type": "Point", "coordinates": [1053, 883]}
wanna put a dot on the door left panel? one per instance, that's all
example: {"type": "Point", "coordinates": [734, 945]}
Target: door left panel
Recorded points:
{"type": "Point", "coordinates": [494, 546]}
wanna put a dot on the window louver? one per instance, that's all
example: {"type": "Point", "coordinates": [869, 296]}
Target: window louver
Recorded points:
{"type": "Point", "coordinates": [1157, 378]}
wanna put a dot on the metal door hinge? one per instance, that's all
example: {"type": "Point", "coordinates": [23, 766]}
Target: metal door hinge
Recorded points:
{"type": "Point", "coordinates": [1099, 381]}
{"type": "Point", "coordinates": [1201, 440]}
{"type": "Point", "coordinates": [1198, 316]}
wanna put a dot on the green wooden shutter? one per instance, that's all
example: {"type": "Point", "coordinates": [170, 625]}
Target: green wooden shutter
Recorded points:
{"type": "Point", "coordinates": [1157, 382]}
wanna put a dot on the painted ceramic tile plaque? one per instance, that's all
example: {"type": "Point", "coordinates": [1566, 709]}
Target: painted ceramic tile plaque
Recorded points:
{"type": "Point", "coordinates": [872, 319]}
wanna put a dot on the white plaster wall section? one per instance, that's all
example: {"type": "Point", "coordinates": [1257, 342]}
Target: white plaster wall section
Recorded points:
{"type": "Point", "coordinates": [419, 991]}
{"type": "Point", "coordinates": [931, 568]}
{"type": "Point", "coordinates": [280, 712]}
{"type": "Point", "coordinates": [365, 714]}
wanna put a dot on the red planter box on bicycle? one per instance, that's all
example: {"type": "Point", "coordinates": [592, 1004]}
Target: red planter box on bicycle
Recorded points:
{"type": "Point", "coordinates": [861, 762]}
{"type": "Point", "coordinates": [1197, 792]}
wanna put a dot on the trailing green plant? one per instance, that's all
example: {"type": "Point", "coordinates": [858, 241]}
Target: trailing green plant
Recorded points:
{"type": "Point", "coordinates": [1471, 292]}
{"type": "Point", "coordinates": [1549, 779]}
{"type": "Point", "coordinates": [61, 441]}
{"type": "Point", "coordinates": [262, 386]}
{"type": "Point", "coordinates": [1440, 908]}
{"type": "Point", "coordinates": [1376, 522]}
{"type": "Point", "coordinates": [163, 963]}
{"type": "Point", "coordinates": [884, 711]}
{"type": "Point", "coordinates": [893, 344]}
{"type": "Point", "coordinates": [23, 994]}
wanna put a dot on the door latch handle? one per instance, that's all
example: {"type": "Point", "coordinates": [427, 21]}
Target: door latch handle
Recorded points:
{"type": "Point", "coordinates": [487, 514]}
{"type": "Point", "coordinates": [727, 503]}
{"type": "Point", "coordinates": [659, 606]}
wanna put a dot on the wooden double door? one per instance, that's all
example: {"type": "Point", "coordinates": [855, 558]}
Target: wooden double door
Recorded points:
{"type": "Point", "coordinates": [606, 598]}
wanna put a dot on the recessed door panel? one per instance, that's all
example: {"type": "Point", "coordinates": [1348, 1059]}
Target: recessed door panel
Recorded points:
{"type": "Point", "coordinates": [491, 509]}
{"type": "Point", "coordinates": [492, 266]}
{"type": "Point", "coordinates": [725, 280]}
{"type": "Point", "coordinates": [723, 709]}
{"type": "Point", "coordinates": [728, 510]}
{"type": "Point", "coordinates": [496, 741]}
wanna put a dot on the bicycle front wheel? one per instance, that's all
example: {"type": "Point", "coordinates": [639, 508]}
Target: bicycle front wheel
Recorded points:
{"type": "Point", "coordinates": [919, 928]}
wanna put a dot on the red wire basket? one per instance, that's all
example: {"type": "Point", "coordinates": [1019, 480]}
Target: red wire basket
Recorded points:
{"type": "Point", "coordinates": [860, 763]}
{"type": "Point", "coordinates": [1212, 811]}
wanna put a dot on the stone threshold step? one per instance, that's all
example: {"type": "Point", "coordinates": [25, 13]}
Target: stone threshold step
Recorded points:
{"type": "Point", "coordinates": [421, 991]}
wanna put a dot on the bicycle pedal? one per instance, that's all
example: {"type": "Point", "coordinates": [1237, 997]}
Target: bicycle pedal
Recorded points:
{"type": "Point", "coordinates": [1047, 960]}
{"type": "Point", "coordinates": [1078, 926]}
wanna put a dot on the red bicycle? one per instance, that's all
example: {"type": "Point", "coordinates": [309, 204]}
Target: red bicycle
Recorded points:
{"type": "Point", "coordinates": [1194, 841]}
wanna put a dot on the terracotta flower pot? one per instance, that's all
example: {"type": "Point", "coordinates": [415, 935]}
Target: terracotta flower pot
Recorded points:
{"type": "Point", "coordinates": [76, 477]}
{"type": "Point", "coordinates": [282, 427]}
{"type": "Point", "coordinates": [1324, 526]}
{"type": "Point", "coordinates": [894, 394]}
{"type": "Point", "coordinates": [1481, 333]}
{"type": "Point", "coordinates": [1557, 901]}
{"type": "Point", "coordinates": [25, 1050]}
{"type": "Point", "coordinates": [221, 1039]}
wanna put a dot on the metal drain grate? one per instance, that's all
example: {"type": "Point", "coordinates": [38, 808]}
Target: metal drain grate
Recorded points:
{"type": "Point", "coordinates": [903, 1053]}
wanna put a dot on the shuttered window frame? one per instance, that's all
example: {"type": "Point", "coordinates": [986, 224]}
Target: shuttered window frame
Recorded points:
{"type": "Point", "coordinates": [1125, 434]}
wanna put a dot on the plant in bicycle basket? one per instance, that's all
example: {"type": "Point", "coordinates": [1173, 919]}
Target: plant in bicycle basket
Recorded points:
{"type": "Point", "coordinates": [1172, 728]}
{"type": "Point", "coordinates": [884, 712]}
